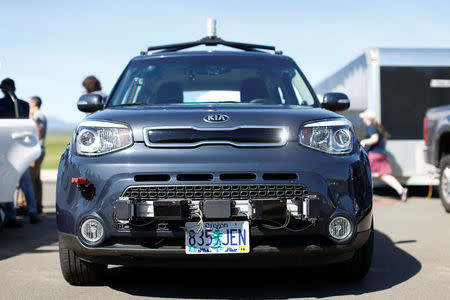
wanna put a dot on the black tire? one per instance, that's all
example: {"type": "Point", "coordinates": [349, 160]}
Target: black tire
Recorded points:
{"type": "Point", "coordinates": [444, 182]}
{"type": "Point", "coordinates": [357, 267]}
{"type": "Point", "coordinates": [77, 271]}
{"type": "Point", "coordinates": [2, 216]}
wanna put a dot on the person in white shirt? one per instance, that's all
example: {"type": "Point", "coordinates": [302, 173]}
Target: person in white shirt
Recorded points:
{"type": "Point", "coordinates": [38, 117]}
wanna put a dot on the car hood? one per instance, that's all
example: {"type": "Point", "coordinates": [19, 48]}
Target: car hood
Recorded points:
{"type": "Point", "coordinates": [139, 117]}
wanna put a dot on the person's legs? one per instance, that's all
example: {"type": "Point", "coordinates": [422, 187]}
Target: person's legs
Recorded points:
{"type": "Point", "coordinates": [393, 183]}
{"type": "Point", "coordinates": [11, 221]}
{"type": "Point", "coordinates": [10, 211]}
{"type": "Point", "coordinates": [35, 174]}
{"type": "Point", "coordinates": [27, 188]}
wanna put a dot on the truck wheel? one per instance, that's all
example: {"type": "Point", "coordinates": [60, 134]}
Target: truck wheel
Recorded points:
{"type": "Point", "coordinates": [444, 182]}
{"type": "Point", "coordinates": [77, 271]}
{"type": "Point", "coordinates": [357, 267]}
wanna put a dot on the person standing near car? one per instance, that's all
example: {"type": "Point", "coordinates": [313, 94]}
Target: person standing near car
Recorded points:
{"type": "Point", "coordinates": [7, 111]}
{"type": "Point", "coordinates": [7, 104]}
{"type": "Point", "coordinates": [39, 119]}
{"type": "Point", "coordinates": [92, 85]}
{"type": "Point", "coordinates": [375, 144]}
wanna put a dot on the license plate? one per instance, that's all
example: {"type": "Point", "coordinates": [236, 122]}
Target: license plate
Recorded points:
{"type": "Point", "coordinates": [231, 237]}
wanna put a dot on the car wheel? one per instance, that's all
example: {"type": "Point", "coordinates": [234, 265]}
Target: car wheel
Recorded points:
{"type": "Point", "coordinates": [77, 271]}
{"type": "Point", "coordinates": [444, 182]}
{"type": "Point", "coordinates": [358, 266]}
{"type": "Point", "coordinates": [2, 217]}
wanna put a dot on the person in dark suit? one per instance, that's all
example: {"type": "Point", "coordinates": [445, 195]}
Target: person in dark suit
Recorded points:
{"type": "Point", "coordinates": [7, 110]}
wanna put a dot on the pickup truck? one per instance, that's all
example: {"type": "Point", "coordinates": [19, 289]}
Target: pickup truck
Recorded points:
{"type": "Point", "coordinates": [436, 133]}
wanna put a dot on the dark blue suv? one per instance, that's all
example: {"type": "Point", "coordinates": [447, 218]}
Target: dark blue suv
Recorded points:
{"type": "Point", "coordinates": [209, 159]}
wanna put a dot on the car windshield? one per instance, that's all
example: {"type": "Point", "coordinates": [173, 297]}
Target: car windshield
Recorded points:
{"type": "Point", "coordinates": [212, 79]}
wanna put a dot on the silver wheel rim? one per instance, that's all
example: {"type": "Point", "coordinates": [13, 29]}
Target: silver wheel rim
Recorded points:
{"type": "Point", "coordinates": [445, 184]}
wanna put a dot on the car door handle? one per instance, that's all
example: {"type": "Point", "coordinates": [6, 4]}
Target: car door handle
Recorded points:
{"type": "Point", "coordinates": [22, 135]}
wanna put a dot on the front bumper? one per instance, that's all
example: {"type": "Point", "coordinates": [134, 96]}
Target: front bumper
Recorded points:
{"type": "Point", "coordinates": [343, 184]}
{"type": "Point", "coordinates": [304, 254]}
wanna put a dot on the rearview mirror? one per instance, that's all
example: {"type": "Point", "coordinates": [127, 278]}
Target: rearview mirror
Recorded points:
{"type": "Point", "coordinates": [90, 103]}
{"type": "Point", "coordinates": [335, 101]}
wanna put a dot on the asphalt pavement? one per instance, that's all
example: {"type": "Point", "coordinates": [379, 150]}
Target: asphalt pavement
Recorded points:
{"type": "Point", "coordinates": [411, 261]}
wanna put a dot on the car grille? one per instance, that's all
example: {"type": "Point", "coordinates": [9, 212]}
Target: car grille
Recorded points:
{"type": "Point", "coordinates": [231, 192]}
{"type": "Point", "coordinates": [243, 136]}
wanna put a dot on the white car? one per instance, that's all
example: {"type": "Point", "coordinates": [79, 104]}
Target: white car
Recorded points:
{"type": "Point", "coordinates": [19, 147]}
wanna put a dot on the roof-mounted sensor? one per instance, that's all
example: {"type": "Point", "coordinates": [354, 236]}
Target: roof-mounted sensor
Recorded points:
{"type": "Point", "coordinates": [211, 39]}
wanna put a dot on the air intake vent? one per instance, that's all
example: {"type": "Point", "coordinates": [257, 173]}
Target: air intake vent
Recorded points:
{"type": "Point", "coordinates": [224, 192]}
{"type": "Point", "coordinates": [152, 177]}
{"type": "Point", "coordinates": [237, 176]}
{"type": "Point", "coordinates": [194, 177]}
{"type": "Point", "coordinates": [280, 176]}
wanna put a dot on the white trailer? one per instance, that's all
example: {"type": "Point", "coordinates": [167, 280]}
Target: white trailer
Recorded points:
{"type": "Point", "coordinates": [399, 84]}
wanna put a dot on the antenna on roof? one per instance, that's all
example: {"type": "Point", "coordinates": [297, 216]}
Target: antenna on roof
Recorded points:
{"type": "Point", "coordinates": [211, 28]}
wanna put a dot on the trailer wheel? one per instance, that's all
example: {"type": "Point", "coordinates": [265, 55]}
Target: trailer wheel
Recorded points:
{"type": "Point", "coordinates": [77, 271]}
{"type": "Point", "coordinates": [444, 182]}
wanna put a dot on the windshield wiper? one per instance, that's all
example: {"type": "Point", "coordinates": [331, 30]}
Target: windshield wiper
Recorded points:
{"type": "Point", "coordinates": [129, 104]}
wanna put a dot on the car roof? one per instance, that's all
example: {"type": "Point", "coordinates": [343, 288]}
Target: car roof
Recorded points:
{"type": "Point", "coordinates": [263, 55]}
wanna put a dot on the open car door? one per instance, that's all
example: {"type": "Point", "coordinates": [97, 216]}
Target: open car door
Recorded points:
{"type": "Point", "coordinates": [19, 147]}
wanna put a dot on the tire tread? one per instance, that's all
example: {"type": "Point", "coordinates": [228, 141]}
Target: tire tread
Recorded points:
{"type": "Point", "coordinates": [358, 266]}
{"type": "Point", "coordinates": [76, 271]}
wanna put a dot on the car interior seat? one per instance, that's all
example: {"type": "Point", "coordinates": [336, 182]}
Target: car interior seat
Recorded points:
{"type": "Point", "coordinates": [169, 93]}
{"type": "Point", "coordinates": [254, 89]}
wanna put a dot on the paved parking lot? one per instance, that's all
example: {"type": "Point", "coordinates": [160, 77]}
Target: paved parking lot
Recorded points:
{"type": "Point", "coordinates": [411, 261]}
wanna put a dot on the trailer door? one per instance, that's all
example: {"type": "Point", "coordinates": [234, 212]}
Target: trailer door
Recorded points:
{"type": "Point", "coordinates": [406, 93]}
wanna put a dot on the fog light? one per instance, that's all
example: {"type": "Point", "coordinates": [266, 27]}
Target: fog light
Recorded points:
{"type": "Point", "coordinates": [92, 230]}
{"type": "Point", "coordinates": [340, 228]}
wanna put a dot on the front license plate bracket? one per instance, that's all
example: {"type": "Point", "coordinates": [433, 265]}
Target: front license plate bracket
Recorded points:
{"type": "Point", "coordinates": [228, 237]}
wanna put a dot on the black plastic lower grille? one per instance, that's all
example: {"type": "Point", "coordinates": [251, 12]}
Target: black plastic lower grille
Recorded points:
{"type": "Point", "coordinates": [190, 135]}
{"type": "Point", "coordinates": [231, 192]}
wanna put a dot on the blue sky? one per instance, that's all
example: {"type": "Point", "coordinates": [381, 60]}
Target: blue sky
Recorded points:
{"type": "Point", "coordinates": [49, 47]}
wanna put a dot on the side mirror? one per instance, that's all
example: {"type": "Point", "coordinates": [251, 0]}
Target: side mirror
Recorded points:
{"type": "Point", "coordinates": [335, 101]}
{"type": "Point", "coordinates": [90, 103]}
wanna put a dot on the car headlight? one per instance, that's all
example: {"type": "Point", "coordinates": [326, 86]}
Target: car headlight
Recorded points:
{"type": "Point", "coordinates": [99, 137]}
{"type": "Point", "coordinates": [330, 136]}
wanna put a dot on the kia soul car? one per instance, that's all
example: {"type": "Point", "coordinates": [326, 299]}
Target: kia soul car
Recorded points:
{"type": "Point", "coordinates": [213, 159]}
